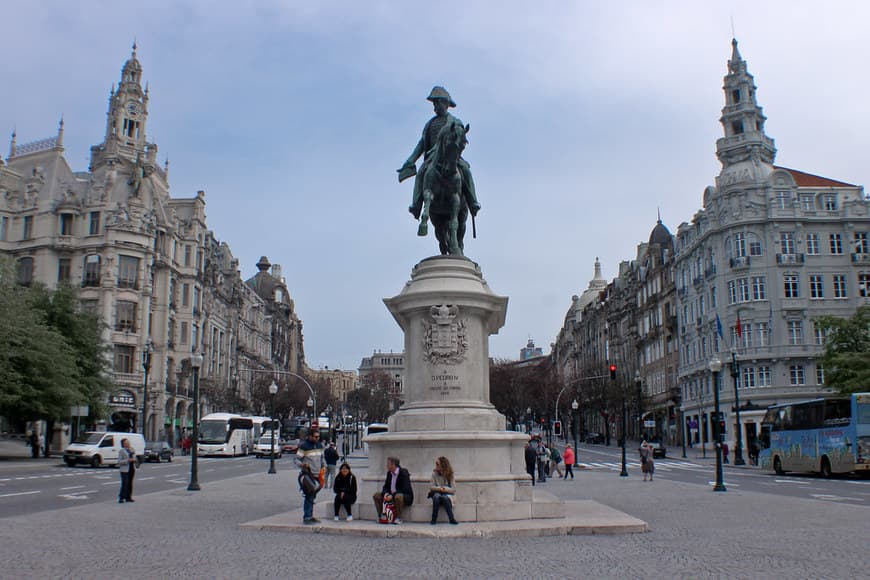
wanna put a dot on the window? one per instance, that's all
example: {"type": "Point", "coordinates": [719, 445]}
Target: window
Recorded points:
{"type": "Point", "coordinates": [24, 271]}
{"type": "Point", "coordinates": [185, 330]}
{"type": "Point", "coordinates": [796, 375]}
{"type": "Point", "coordinates": [737, 127]}
{"type": "Point", "coordinates": [4, 228]}
{"type": "Point", "coordinates": [820, 374]}
{"type": "Point", "coordinates": [813, 244]}
{"type": "Point", "coordinates": [185, 294]}
{"type": "Point", "coordinates": [187, 255]}
{"type": "Point", "coordinates": [790, 286]}
{"type": "Point", "coordinates": [807, 203]}
{"type": "Point", "coordinates": [64, 268]}
{"type": "Point", "coordinates": [66, 224]}
{"type": "Point", "coordinates": [836, 243]}
{"type": "Point", "coordinates": [817, 286]}
{"type": "Point", "coordinates": [795, 331]}
{"type": "Point", "coordinates": [864, 285]}
{"type": "Point", "coordinates": [94, 227]}
{"type": "Point", "coordinates": [128, 272]}
{"type": "Point", "coordinates": [91, 271]}
{"type": "Point", "coordinates": [27, 229]}
{"type": "Point", "coordinates": [194, 338]}
{"type": "Point", "coordinates": [743, 289]}
{"type": "Point", "coordinates": [195, 299]}
{"type": "Point", "coordinates": [820, 334]}
{"type": "Point", "coordinates": [786, 242]}
{"type": "Point", "coordinates": [763, 334]}
{"type": "Point", "coordinates": [783, 199]}
{"type": "Point", "coordinates": [748, 377]}
{"type": "Point", "coordinates": [839, 286]}
{"type": "Point", "coordinates": [713, 302]}
{"type": "Point", "coordinates": [732, 292]}
{"type": "Point", "coordinates": [861, 245]}
{"type": "Point", "coordinates": [754, 245]}
{"type": "Point", "coordinates": [735, 96]}
{"type": "Point", "coordinates": [739, 245]}
{"type": "Point", "coordinates": [758, 292]}
{"type": "Point", "coordinates": [830, 202]}
{"type": "Point", "coordinates": [125, 316]}
{"type": "Point", "coordinates": [123, 358]}
{"type": "Point", "coordinates": [764, 375]}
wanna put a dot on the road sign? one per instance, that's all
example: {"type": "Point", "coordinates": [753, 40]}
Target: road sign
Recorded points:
{"type": "Point", "coordinates": [649, 423]}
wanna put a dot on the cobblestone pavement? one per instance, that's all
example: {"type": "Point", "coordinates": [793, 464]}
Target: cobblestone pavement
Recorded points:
{"type": "Point", "coordinates": [695, 533]}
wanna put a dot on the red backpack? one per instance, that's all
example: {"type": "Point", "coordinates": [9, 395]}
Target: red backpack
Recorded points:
{"type": "Point", "coordinates": [389, 513]}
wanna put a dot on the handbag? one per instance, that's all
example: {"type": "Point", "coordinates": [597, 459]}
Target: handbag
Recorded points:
{"type": "Point", "coordinates": [389, 514]}
{"type": "Point", "coordinates": [309, 483]}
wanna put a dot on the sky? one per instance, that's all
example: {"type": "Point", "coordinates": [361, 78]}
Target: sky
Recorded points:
{"type": "Point", "coordinates": [587, 120]}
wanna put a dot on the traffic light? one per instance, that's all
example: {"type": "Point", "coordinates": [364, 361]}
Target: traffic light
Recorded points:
{"type": "Point", "coordinates": [557, 428]}
{"type": "Point", "coordinates": [612, 372]}
{"type": "Point", "coordinates": [719, 429]}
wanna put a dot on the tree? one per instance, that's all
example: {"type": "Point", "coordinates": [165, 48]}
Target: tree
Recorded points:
{"type": "Point", "coordinates": [373, 396]}
{"type": "Point", "coordinates": [515, 388]}
{"type": "Point", "coordinates": [847, 351]}
{"type": "Point", "coordinates": [51, 355]}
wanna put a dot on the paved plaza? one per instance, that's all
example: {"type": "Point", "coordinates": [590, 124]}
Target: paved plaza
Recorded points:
{"type": "Point", "coordinates": [693, 533]}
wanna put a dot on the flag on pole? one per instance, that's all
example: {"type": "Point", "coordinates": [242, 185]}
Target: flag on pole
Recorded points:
{"type": "Point", "coordinates": [719, 326]}
{"type": "Point", "coordinates": [739, 328]}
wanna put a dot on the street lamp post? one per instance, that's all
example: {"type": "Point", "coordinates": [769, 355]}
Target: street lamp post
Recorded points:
{"type": "Point", "coordinates": [574, 407]}
{"type": "Point", "coordinates": [310, 407]}
{"type": "Point", "coordinates": [624, 472]}
{"type": "Point", "coordinates": [638, 385]}
{"type": "Point", "coordinates": [716, 366]}
{"type": "Point", "coordinates": [735, 372]}
{"type": "Point", "coordinates": [683, 429]}
{"type": "Point", "coordinates": [195, 363]}
{"type": "Point", "coordinates": [273, 390]}
{"type": "Point", "coordinates": [146, 365]}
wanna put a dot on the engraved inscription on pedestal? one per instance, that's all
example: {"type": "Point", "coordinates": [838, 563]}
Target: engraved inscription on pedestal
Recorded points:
{"type": "Point", "coordinates": [444, 340]}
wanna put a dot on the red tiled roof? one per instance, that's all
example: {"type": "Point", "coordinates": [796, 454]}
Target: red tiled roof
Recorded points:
{"type": "Point", "coordinates": [810, 180]}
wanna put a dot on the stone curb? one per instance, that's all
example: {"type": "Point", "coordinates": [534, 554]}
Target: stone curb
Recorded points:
{"type": "Point", "coordinates": [585, 517]}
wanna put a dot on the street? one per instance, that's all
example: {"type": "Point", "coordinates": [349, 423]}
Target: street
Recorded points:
{"type": "Point", "coordinates": [755, 530]}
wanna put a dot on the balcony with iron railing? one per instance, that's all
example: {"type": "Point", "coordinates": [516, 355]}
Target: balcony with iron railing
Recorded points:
{"type": "Point", "coordinates": [784, 259]}
{"type": "Point", "coordinates": [739, 262]}
{"type": "Point", "coordinates": [861, 257]}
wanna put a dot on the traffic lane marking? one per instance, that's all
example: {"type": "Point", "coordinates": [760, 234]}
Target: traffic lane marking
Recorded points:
{"type": "Point", "coordinates": [71, 487]}
{"type": "Point", "coordinates": [19, 493]}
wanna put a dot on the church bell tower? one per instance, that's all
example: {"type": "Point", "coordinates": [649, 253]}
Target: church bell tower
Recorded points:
{"type": "Point", "coordinates": [128, 110]}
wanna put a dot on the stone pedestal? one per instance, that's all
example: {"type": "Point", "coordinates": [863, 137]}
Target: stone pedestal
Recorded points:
{"type": "Point", "coordinates": [447, 312]}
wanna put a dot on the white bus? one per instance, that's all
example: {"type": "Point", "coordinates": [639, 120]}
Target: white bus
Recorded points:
{"type": "Point", "coordinates": [225, 434]}
{"type": "Point", "coordinates": [263, 426]}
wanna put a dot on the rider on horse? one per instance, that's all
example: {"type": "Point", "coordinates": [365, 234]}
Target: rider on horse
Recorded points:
{"type": "Point", "coordinates": [441, 101]}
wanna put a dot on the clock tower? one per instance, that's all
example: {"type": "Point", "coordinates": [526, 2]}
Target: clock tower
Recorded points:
{"type": "Point", "coordinates": [128, 110]}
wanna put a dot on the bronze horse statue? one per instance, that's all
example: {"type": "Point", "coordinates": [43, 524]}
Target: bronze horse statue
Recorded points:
{"type": "Point", "coordinates": [443, 202]}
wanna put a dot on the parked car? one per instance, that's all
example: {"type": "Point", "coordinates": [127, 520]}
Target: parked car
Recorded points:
{"type": "Point", "coordinates": [263, 448]}
{"type": "Point", "coordinates": [157, 451]}
{"type": "Point", "coordinates": [658, 449]}
{"type": "Point", "coordinates": [290, 446]}
{"type": "Point", "coordinates": [594, 438]}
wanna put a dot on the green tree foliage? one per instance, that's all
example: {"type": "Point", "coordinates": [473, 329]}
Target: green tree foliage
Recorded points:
{"type": "Point", "coordinates": [51, 356]}
{"type": "Point", "coordinates": [847, 351]}
{"type": "Point", "coordinates": [516, 388]}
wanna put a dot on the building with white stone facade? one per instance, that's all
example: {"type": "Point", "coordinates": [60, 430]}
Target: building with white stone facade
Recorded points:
{"type": "Point", "coordinates": [147, 264]}
{"type": "Point", "coordinates": [393, 365]}
{"type": "Point", "coordinates": [772, 249]}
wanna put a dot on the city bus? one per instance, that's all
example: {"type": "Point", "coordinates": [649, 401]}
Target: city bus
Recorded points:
{"type": "Point", "coordinates": [225, 434]}
{"type": "Point", "coordinates": [828, 436]}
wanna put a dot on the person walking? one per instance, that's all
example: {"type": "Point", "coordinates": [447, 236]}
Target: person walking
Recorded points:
{"type": "Point", "coordinates": [309, 460]}
{"type": "Point", "coordinates": [647, 465]}
{"type": "Point", "coordinates": [724, 452]}
{"type": "Point", "coordinates": [33, 441]}
{"type": "Point", "coordinates": [345, 491]}
{"type": "Point", "coordinates": [127, 467]}
{"type": "Point", "coordinates": [569, 461]}
{"type": "Point", "coordinates": [331, 458]}
{"type": "Point", "coordinates": [531, 457]}
{"type": "Point", "coordinates": [442, 490]}
{"type": "Point", "coordinates": [555, 460]}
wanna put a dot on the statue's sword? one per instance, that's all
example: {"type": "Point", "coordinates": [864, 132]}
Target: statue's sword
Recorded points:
{"type": "Point", "coordinates": [473, 227]}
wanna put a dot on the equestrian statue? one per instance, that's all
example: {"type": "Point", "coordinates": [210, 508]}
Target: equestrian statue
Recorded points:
{"type": "Point", "coordinates": [443, 188]}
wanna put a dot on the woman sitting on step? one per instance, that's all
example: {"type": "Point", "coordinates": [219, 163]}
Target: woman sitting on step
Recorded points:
{"type": "Point", "coordinates": [442, 489]}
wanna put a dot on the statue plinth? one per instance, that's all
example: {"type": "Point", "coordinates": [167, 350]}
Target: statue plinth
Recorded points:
{"type": "Point", "coordinates": [447, 312]}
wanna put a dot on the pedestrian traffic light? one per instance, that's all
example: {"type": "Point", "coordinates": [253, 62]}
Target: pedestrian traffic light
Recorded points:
{"type": "Point", "coordinates": [612, 372]}
{"type": "Point", "coordinates": [557, 428]}
{"type": "Point", "coordinates": [719, 430]}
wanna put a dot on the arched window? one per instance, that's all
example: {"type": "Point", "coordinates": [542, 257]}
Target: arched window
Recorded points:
{"type": "Point", "coordinates": [24, 271]}
{"type": "Point", "coordinates": [91, 270]}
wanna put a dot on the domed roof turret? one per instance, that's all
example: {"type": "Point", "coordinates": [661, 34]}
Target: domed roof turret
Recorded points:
{"type": "Point", "coordinates": [660, 235]}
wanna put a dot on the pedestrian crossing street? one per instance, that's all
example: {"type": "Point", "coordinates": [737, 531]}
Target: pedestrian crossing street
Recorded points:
{"type": "Point", "coordinates": [660, 465]}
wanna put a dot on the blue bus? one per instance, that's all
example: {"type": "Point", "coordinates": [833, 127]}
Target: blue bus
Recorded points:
{"type": "Point", "coordinates": [827, 436]}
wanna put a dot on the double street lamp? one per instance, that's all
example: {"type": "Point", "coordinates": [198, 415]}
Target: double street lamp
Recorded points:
{"type": "Point", "coordinates": [195, 363]}
{"type": "Point", "coordinates": [146, 366]}
{"type": "Point", "coordinates": [273, 390]}
{"type": "Point", "coordinates": [576, 423]}
{"type": "Point", "coordinates": [716, 366]}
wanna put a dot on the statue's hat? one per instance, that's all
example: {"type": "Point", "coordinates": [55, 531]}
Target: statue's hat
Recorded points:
{"type": "Point", "coordinates": [440, 93]}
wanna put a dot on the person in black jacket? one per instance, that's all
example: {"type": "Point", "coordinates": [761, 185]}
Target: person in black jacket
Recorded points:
{"type": "Point", "coordinates": [345, 491]}
{"type": "Point", "coordinates": [531, 457]}
{"type": "Point", "coordinates": [397, 488]}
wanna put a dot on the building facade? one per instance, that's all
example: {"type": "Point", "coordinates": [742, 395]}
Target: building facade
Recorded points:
{"type": "Point", "coordinates": [146, 263]}
{"type": "Point", "coordinates": [393, 365]}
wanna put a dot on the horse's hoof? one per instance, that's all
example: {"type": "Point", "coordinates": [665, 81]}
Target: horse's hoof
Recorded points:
{"type": "Point", "coordinates": [423, 230]}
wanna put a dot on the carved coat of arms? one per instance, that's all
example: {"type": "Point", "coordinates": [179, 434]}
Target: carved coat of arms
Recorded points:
{"type": "Point", "coordinates": [444, 340]}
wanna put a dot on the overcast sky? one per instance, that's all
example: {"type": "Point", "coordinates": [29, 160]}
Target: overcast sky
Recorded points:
{"type": "Point", "coordinates": [586, 119]}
